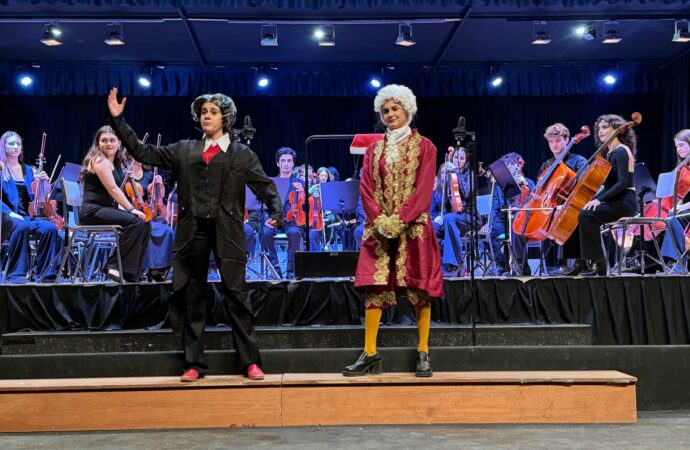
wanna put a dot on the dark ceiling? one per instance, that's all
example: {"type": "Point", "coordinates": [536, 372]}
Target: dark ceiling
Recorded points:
{"type": "Point", "coordinates": [217, 36]}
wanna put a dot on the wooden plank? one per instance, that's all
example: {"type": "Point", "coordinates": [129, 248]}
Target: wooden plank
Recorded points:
{"type": "Point", "coordinates": [140, 409]}
{"type": "Point", "coordinates": [521, 377]}
{"type": "Point", "coordinates": [471, 403]}
{"type": "Point", "coordinates": [64, 384]}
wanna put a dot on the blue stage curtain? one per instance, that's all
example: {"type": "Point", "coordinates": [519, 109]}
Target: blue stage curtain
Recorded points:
{"type": "Point", "coordinates": [184, 81]}
{"type": "Point", "coordinates": [676, 99]}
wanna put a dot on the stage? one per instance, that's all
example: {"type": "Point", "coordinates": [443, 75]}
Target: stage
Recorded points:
{"type": "Point", "coordinates": [634, 310]}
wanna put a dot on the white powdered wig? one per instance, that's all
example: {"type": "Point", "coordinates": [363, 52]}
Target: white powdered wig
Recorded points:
{"type": "Point", "coordinates": [398, 93]}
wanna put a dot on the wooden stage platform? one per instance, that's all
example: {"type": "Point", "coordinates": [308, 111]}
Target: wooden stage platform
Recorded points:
{"type": "Point", "coordinates": [317, 399]}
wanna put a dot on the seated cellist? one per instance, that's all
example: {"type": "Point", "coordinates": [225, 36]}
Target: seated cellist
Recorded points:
{"type": "Point", "coordinates": [678, 224]}
{"type": "Point", "coordinates": [615, 200]}
{"type": "Point", "coordinates": [558, 136]}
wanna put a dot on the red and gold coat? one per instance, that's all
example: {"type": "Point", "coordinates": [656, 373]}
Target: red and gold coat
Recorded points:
{"type": "Point", "coordinates": [396, 198]}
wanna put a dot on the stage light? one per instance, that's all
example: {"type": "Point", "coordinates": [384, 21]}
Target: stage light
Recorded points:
{"type": "Point", "coordinates": [325, 35]}
{"type": "Point", "coordinates": [262, 80]}
{"type": "Point", "coordinates": [682, 33]}
{"type": "Point", "coordinates": [610, 79]}
{"type": "Point", "coordinates": [26, 80]}
{"type": "Point", "coordinates": [269, 36]}
{"type": "Point", "coordinates": [612, 33]}
{"type": "Point", "coordinates": [52, 35]}
{"type": "Point", "coordinates": [375, 82]}
{"type": "Point", "coordinates": [586, 32]}
{"type": "Point", "coordinates": [114, 35]}
{"type": "Point", "coordinates": [497, 80]}
{"type": "Point", "coordinates": [144, 81]}
{"type": "Point", "coordinates": [540, 33]}
{"type": "Point", "coordinates": [405, 35]}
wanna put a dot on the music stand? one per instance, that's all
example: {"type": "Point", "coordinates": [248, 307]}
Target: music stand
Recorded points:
{"type": "Point", "coordinates": [505, 180]}
{"type": "Point", "coordinates": [340, 197]}
{"type": "Point", "coordinates": [69, 172]}
{"type": "Point", "coordinates": [266, 270]}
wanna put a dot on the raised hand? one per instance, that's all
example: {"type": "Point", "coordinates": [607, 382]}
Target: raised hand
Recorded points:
{"type": "Point", "coordinates": [116, 108]}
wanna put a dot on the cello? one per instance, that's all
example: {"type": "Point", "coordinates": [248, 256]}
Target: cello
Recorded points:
{"type": "Point", "coordinates": [532, 221]}
{"type": "Point", "coordinates": [41, 189]}
{"type": "Point", "coordinates": [583, 187]}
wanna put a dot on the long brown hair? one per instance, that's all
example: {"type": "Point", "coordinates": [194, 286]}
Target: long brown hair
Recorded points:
{"type": "Point", "coordinates": [95, 153]}
{"type": "Point", "coordinates": [628, 137]}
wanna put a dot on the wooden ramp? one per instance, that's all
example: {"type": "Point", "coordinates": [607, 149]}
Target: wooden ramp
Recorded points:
{"type": "Point", "coordinates": [317, 399]}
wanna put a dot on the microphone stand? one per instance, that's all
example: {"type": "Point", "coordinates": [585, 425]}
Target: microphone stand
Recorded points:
{"type": "Point", "coordinates": [461, 135]}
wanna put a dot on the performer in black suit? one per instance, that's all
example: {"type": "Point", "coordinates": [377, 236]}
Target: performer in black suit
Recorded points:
{"type": "Point", "coordinates": [211, 175]}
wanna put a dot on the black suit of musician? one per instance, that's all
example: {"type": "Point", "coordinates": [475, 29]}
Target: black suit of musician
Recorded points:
{"type": "Point", "coordinates": [211, 175]}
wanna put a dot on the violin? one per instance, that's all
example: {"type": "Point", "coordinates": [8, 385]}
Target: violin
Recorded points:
{"type": "Point", "coordinates": [662, 207]}
{"type": "Point", "coordinates": [453, 191]}
{"type": "Point", "coordinates": [41, 205]}
{"type": "Point", "coordinates": [135, 193]}
{"type": "Point", "coordinates": [533, 220]}
{"type": "Point", "coordinates": [583, 187]}
{"type": "Point", "coordinates": [296, 212]}
{"type": "Point", "coordinates": [156, 191]}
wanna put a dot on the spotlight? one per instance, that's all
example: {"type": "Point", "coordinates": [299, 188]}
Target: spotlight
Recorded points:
{"type": "Point", "coordinates": [682, 33]}
{"type": "Point", "coordinates": [326, 35]}
{"type": "Point", "coordinates": [586, 32]}
{"type": "Point", "coordinates": [612, 33]}
{"type": "Point", "coordinates": [375, 82]}
{"type": "Point", "coordinates": [269, 36]}
{"type": "Point", "coordinates": [26, 80]}
{"type": "Point", "coordinates": [610, 79]}
{"type": "Point", "coordinates": [262, 80]}
{"type": "Point", "coordinates": [540, 33]}
{"type": "Point", "coordinates": [52, 35]}
{"type": "Point", "coordinates": [144, 81]}
{"type": "Point", "coordinates": [114, 35]}
{"type": "Point", "coordinates": [496, 79]}
{"type": "Point", "coordinates": [405, 35]}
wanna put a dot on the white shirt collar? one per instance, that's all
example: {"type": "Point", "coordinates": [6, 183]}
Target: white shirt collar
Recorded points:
{"type": "Point", "coordinates": [223, 142]}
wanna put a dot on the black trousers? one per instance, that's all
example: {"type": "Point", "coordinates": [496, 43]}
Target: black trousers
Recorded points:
{"type": "Point", "coordinates": [134, 239]}
{"type": "Point", "coordinates": [585, 242]}
{"type": "Point", "coordinates": [192, 307]}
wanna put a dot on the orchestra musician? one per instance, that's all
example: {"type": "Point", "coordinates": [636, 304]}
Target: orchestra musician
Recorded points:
{"type": "Point", "coordinates": [678, 224]}
{"type": "Point", "coordinates": [557, 135]}
{"type": "Point", "coordinates": [615, 200]}
{"type": "Point", "coordinates": [285, 160]}
{"type": "Point", "coordinates": [102, 180]}
{"type": "Point", "coordinates": [17, 180]}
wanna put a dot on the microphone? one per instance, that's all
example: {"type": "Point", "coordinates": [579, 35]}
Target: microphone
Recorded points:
{"type": "Point", "coordinates": [247, 130]}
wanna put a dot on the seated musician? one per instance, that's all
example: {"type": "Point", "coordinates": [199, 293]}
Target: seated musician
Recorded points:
{"type": "Point", "coordinates": [17, 178]}
{"type": "Point", "coordinates": [515, 164]}
{"type": "Point", "coordinates": [102, 178]}
{"type": "Point", "coordinates": [558, 136]}
{"type": "Point", "coordinates": [455, 224]}
{"type": "Point", "coordinates": [678, 224]}
{"type": "Point", "coordinates": [615, 200]}
{"type": "Point", "coordinates": [159, 251]}
{"type": "Point", "coordinates": [359, 229]}
{"type": "Point", "coordinates": [285, 160]}
{"type": "Point", "coordinates": [436, 202]}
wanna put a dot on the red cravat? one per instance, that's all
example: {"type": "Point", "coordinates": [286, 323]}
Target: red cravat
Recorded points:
{"type": "Point", "coordinates": [209, 153]}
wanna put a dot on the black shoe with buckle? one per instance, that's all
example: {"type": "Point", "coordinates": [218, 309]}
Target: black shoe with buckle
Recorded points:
{"type": "Point", "coordinates": [365, 364]}
{"type": "Point", "coordinates": [423, 365]}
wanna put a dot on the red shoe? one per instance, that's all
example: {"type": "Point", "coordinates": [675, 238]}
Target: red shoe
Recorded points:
{"type": "Point", "coordinates": [190, 375]}
{"type": "Point", "coordinates": [254, 372]}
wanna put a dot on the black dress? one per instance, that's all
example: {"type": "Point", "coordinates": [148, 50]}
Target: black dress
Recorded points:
{"type": "Point", "coordinates": [99, 208]}
{"type": "Point", "coordinates": [617, 200]}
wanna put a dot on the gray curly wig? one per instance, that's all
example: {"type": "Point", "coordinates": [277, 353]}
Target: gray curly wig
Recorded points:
{"type": "Point", "coordinates": [225, 103]}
